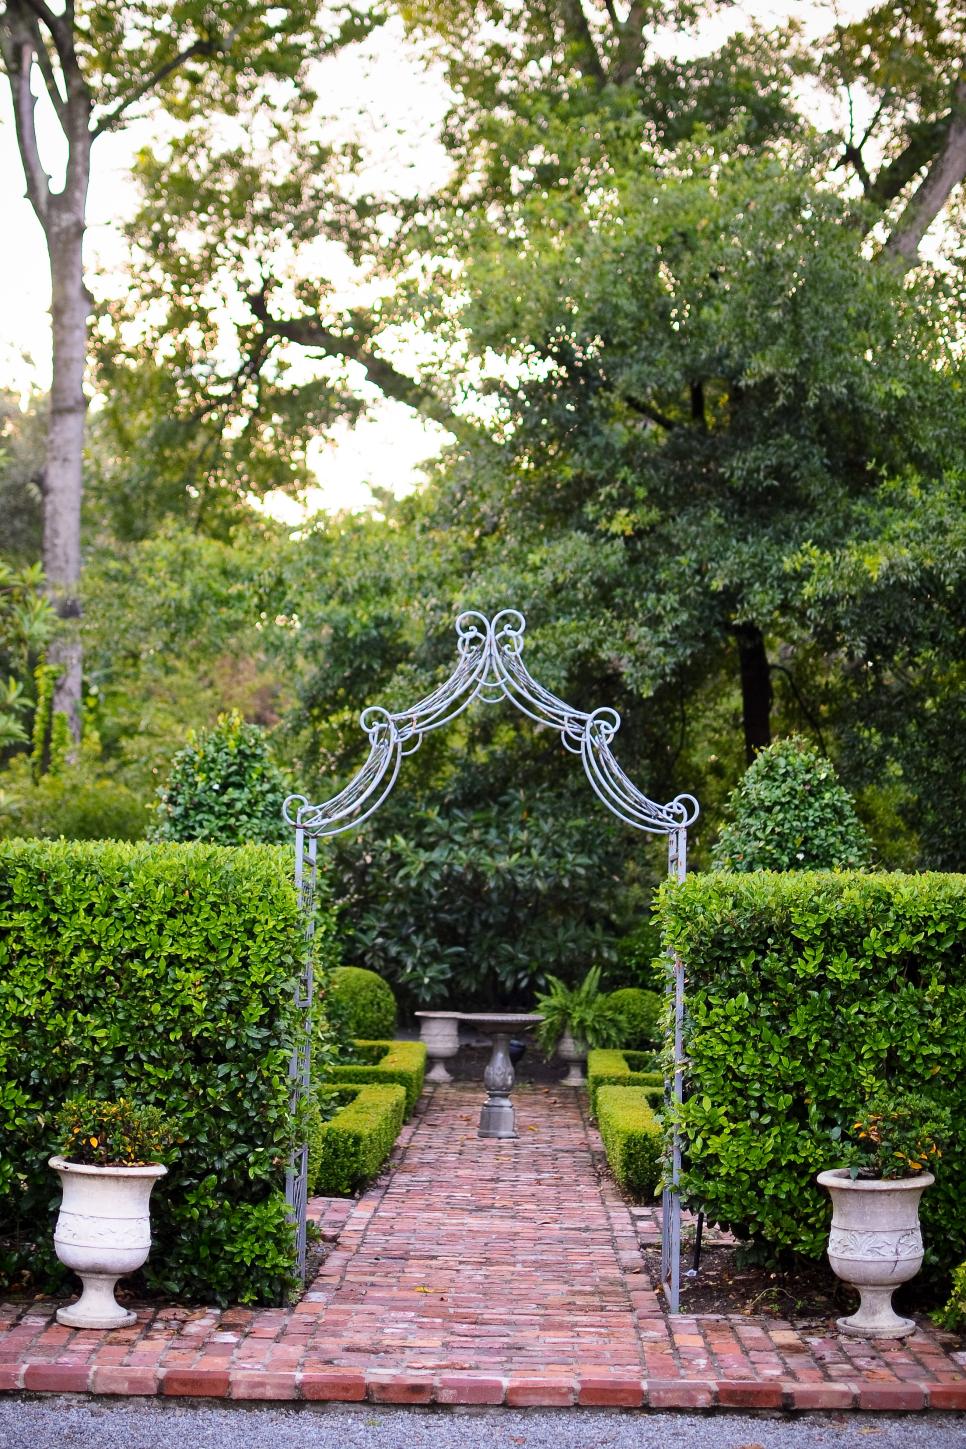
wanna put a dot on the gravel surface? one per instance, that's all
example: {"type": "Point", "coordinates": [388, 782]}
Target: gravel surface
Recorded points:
{"type": "Point", "coordinates": [75, 1423]}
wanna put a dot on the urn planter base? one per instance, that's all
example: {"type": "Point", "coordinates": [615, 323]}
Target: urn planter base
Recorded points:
{"type": "Point", "coordinates": [875, 1316]}
{"type": "Point", "coordinates": [97, 1307]}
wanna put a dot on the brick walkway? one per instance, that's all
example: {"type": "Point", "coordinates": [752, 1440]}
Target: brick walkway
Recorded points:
{"type": "Point", "coordinates": [483, 1273]}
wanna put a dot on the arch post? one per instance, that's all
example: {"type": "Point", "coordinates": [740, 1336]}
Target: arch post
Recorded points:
{"type": "Point", "coordinates": [677, 865]}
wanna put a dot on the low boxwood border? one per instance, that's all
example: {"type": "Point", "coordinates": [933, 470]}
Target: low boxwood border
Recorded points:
{"type": "Point", "coordinates": [607, 1067]}
{"type": "Point", "coordinates": [349, 1149]}
{"type": "Point", "coordinates": [401, 1061]}
{"type": "Point", "coordinates": [632, 1136]}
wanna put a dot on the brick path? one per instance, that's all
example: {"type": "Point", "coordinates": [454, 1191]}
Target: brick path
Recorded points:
{"type": "Point", "coordinates": [482, 1272]}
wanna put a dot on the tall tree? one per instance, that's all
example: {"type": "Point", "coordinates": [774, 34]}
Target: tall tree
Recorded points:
{"type": "Point", "coordinates": [98, 66]}
{"type": "Point", "coordinates": [710, 349]}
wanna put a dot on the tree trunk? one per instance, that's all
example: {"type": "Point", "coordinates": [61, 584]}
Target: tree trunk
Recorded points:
{"type": "Point", "coordinates": [63, 473]}
{"type": "Point", "coordinates": [756, 693]}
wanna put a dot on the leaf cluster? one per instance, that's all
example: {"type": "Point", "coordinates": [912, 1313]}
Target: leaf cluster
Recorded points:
{"type": "Point", "coordinates": [896, 1134]}
{"type": "Point", "coordinates": [124, 1133]}
{"type": "Point", "coordinates": [791, 813]}
{"type": "Point", "coordinates": [224, 788]}
{"type": "Point", "coordinates": [362, 1003]}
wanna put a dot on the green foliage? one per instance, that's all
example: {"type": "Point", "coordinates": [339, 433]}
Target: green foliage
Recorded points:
{"type": "Point", "coordinates": [223, 787]}
{"type": "Point", "coordinates": [807, 993]}
{"type": "Point", "coordinates": [357, 1140]}
{"type": "Point", "coordinates": [78, 803]}
{"type": "Point", "coordinates": [361, 1003]}
{"type": "Point", "coordinates": [639, 961]}
{"type": "Point", "coordinates": [952, 1315]}
{"type": "Point", "coordinates": [22, 434]}
{"type": "Point", "coordinates": [896, 1135]}
{"type": "Point", "coordinates": [791, 813]}
{"type": "Point", "coordinates": [584, 1010]}
{"type": "Point", "coordinates": [385, 1061]}
{"type": "Point", "coordinates": [632, 1137]}
{"type": "Point", "coordinates": [320, 1107]}
{"type": "Point", "coordinates": [113, 1134]}
{"type": "Point", "coordinates": [900, 706]}
{"type": "Point", "coordinates": [178, 628]}
{"type": "Point", "coordinates": [473, 905]}
{"type": "Point", "coordinates": [26, 625]}
{"type": "Point", "coordinates": [164, 973]}
{"type": "Point", "coordinates": [640, 1015]}
{"type": "Point", "coordinates": [620, 1069]}
{"type": "Point", "coordinates": [813, 390]}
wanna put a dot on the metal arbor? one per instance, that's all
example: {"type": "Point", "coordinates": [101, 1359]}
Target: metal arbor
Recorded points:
{"type": "Point", "coordinates": [490, 667]}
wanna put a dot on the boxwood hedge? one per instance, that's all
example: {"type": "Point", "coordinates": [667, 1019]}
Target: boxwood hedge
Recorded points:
{"type": "Point", "coordinates": [606, 1067]}
{"type": "Point", "coordinates": [352, 1146]}
{"type": "Point", "coordinates": [385, 1061]}
{"type": "Point", "coordinates": [163, 972]}
{"type": "Point", "coordinates": [805, 991]}
{"type": "Point", "coordinates": [632, 1136]}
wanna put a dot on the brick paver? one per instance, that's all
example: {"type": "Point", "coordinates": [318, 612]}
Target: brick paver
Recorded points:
{"type": "Point", "coordinates": [483, 1272]}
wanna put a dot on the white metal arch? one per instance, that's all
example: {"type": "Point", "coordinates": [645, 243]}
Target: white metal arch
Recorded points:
{"type": "Point", "coordinates": [490, 668]}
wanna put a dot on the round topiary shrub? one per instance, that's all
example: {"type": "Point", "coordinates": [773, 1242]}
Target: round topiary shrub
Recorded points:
{"type": "Point", "coordinates": [791, 813]}
{"type": "Point", "coordinates": [640, 1013]}
{"type": "Point", "coordinates": [225, 788]}
{"type": "Point", "coordinates": [361, 1003]}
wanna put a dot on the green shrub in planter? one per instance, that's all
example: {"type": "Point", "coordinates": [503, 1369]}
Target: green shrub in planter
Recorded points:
{"type": "Point", "coordinates": [640, 1012]}
{"type": "Point", "coordinates": [807, 991]}
{"type": "Point", "coordinates": [791, 813]}
{"type": "Point", "coordinates": [632, 1136]}
{"type": "Point", "coordinates": [385, 1061]}
{"type": "Point", "coordinates": [620, 1068]}
{"type": "Point", "coordinates": [362, 1003]}
{"type": "Point", "coordinates": [356, 1141]}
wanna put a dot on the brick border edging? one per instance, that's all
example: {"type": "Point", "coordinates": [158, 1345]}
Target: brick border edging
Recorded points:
{"type": "Point", "coordinates": [592, 1390]}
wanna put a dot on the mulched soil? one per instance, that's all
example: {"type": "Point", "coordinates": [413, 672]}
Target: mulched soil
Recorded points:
{"type": "Point", "coordinates": [806, 1294]}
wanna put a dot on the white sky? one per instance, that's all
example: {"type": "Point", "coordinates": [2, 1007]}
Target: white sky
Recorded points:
{"type": "Point", "coordinates": [380, 95]}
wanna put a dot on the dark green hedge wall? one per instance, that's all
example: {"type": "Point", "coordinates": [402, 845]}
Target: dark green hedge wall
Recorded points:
{"type": "Point", "coordinates": [804, 991]}
{"type": "Point", "coordinates": [164, 972]}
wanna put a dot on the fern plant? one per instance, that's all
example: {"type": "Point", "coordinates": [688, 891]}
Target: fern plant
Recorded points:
{"type": "Point", "coordinates": [584, 1010]}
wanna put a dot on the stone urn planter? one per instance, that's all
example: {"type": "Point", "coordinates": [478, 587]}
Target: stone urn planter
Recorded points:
{"type": "Point", "coordinates": [103, 1231]}
{"type": "Point", "coordinates": [440, 1030]}
{"type": "Point", "coordinates": [875, 1244]}
{"type": "Point", "coordinates": [574, 1053]}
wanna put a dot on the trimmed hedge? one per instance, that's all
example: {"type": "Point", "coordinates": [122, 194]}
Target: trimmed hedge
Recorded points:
{"type": "Point", "coordinates": [353, 1145]}
{"type": "Point", "coordinates": [621, 1069]}
{"type": "Point", "coordinates": [362, 1003]}
{"type": "Point", "coordinates": [632, 1136]}
{"type": "Point", "coordinates": [385, 1061]}
{"type": "Point", "coordinates": [640, 1012]}
{"type": "Point", "coordinates": [805, 991]}
{"type": "Point", "coordinates": [164, 973]}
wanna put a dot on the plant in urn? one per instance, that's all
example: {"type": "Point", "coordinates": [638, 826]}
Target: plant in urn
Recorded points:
{"type": "Point", "coordinates": [107, 1165]}
{"type": "Point", "coordinates": [875, 1242]}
